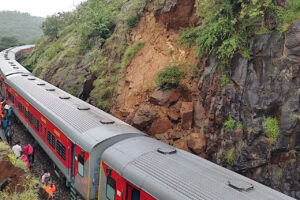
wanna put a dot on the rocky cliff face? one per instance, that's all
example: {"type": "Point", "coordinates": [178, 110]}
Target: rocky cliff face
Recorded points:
{"type": "Point", "coordinates": [267, 85]}
{"type": "Point", "coordinates": [192, 117]}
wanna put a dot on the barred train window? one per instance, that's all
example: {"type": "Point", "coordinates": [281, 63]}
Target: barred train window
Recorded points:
{"type": "Point", "coordinates": [30, 117]}
{"type": "Point", "coordinates": [36, 123]}
{"type": "Point", "coordinates": [51, 139]}
{"type": "Point", "coordinates": [61, 149]}
{"type": "Point", "coordinates": [11, 97]}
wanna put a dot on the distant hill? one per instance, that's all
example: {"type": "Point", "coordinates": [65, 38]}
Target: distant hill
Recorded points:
{"type": "Point", "coordinates": [24, 27]}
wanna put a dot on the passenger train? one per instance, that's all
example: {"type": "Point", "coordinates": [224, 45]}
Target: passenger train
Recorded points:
{"type": "Point", "coordinates": [104, 158]}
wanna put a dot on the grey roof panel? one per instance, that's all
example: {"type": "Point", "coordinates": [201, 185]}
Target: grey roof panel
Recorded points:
{"type": "Point", "coordinates": [81, 126]}
{"type": "Point", "coordinates": [181, 175]}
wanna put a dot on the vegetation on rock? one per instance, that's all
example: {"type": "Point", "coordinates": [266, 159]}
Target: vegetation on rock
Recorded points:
{"type": "Point", "coordinates": [271, 127]}
{"type": "Point", "coordinates": [229, 124]}
{"type": "Point", "coordinates": [169, 77]}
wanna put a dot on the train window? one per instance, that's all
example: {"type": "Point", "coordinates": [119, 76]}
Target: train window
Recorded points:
{"type": "Point", "coordinates": [80, 164]}
{"type": "Point", "coordinates": [20, 107]}
{"type": "Point", "coordinates": [51, 139]}
{"type": "Point", "coordinates": [61, 149]}
{"type": "Point", "coordinates": [29, 115]}
{"type": "Point", "coordinates": [110, 188]}
{"type": "Point", "coordinates": [11, 97]}
{"type": "Point", "coordinates": [135, 195]}
{"type": "Point", "coordinates": [36, 123]}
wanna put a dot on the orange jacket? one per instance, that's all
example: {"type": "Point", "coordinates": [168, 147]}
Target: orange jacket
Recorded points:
{"type": "Point", "coordinates": [50, 189]}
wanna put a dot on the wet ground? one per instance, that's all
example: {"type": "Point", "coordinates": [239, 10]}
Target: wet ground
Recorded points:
{"type": "Point", "coordinates": [41, 162]}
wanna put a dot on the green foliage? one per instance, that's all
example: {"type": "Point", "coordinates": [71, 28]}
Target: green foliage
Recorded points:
{"type": "Point", "coordinates": [4, 147]}
{"type": "Point", "coordinates": [229, 157]}
{"type": "Point", "coordinates": [98, 22]}
{"type": "Point", "coordinates": [169, 77]}
{"type": "Point", "coordinates": [22, 26]}
{"type": "Point", "coordinates": [239, 126]}
{"type": "Point", "coordinates": [7, 42]}
{"type": "Point", "coordinates": [133, 20]}
{"type": "Point", "coordinates": [271, 127]}
{"type": "Point", "coordinates": [289, 15]}
{"type": "Point", "coordinates": [226, 25]}
{"type": "Point", "coordinates": [224, 80]}
{"type": "Point", "coordinates": [17, 162]}
{"type": "Point", "coordinates": [229, 124]}
{"type": "Point", "coordinates": [131, 51]}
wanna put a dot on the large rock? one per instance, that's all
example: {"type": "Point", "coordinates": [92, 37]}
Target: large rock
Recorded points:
{"type": "Point", "coordinates": [196, 142]}
{"type": "Point", "coordinates": [159, 97]}
{"type": "Point", "coordinates": [186, 113]}
{"type": "Point", "coordinates": [160, 125]}
{"type": "Point", "coordinates": [163, 97]}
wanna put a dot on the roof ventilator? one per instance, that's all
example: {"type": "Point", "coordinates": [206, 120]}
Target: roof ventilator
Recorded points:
{"type": "Point", "coordinates": [64, 97]}
{"type": "Point", "coordinates": [83, 108]}
{"type": "Point", "coordinates": [24, 75]}
{"type": "Point", "coordinates": [103, 121]}
{"type": "Point", "coordinates": [31, 79]}
{"type": "Point", "coordinates": [13, 65]}
{"type": "Point", "coordinates": [41, 84]}
{"type": "Point", "coordinates": [16, 67]}
{"type": "Point", "coordinates": [50, 89]}
{"type": "Point", "coordinates": [240, 185]}
{"type": "Point", "coordinates": [166, 150]}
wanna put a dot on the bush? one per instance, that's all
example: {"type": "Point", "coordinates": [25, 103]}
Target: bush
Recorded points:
{"type": "Point", "coordinates": [169, 77]}
{"type": "Point", "coordinates": [271, 127]}
{"type": "Point", "coordinates": [229, 124]}
{"type": "Point", "coordinates": [226, 25]}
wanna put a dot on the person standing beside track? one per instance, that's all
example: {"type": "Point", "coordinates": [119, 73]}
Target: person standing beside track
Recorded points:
{"type": "Point", "coordinates": [4, 122]}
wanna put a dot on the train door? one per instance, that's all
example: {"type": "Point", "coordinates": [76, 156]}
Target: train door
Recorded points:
{"type": "Point", "coordinates": [72, 161]}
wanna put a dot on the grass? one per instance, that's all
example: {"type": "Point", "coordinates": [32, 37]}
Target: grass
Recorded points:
{"type": "Point", "coordinates": [271, 128]}
{"type": "Point", "coordinates": [229, 124]}
{"type": "Point", "coordinates": [289, 15]}
{"type": "Point", "coordinates": [229, 157]}
{"type": "Point", "coordinates": [130, 52]}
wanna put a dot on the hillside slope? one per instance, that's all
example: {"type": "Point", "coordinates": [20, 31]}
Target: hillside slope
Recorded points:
{"type": "Point", "coordinates": [237, 63]}
{"type": "Point", "coordinates": [22, 26]}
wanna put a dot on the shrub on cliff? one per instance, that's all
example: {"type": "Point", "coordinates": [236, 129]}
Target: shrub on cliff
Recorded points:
{"type": "Point", "coordinates": [226, 25]}
{"type": "Point", "coordinates": [229, 124]}
{"type": "Point", "coordinates": [271, 127]}
{"type": "Point", "coordinates": [169, 77]}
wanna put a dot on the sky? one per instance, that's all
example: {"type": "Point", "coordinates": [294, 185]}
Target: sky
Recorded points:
{"type": "Point", "coordinates": [41, 8]}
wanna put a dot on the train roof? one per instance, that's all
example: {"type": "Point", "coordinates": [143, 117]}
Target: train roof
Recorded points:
{"type": "Point", "coordinates": [20, 48]}
{"type": "Point", "coordinates": [169, 173]}
{"type": "Point", "coordinates": [8, 64]}
{"type": "Point", "coordinates": [82, 123]}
